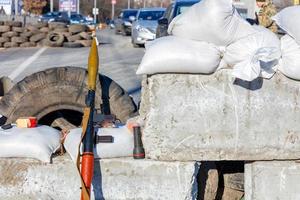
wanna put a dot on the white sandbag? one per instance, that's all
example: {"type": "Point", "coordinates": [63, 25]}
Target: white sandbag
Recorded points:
{"type": "Point", "coordinates": [121, 147]}
{"type": "Point", "coordinates": [288, 20]}
{"type": "Point", "coordinates": [214, 21]}
{"type": "Point", "coordinates": [254, 56]}
{"type": "Point", "coordinates": [39, 143]}
{"type": "Point", "coordinates": [290, 61]}
{"type": "Point", "coordinates": [179, 55]}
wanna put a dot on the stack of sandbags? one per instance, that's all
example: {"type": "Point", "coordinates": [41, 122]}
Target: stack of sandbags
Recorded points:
{"type": "Point", "coordinates": [179, 55]}
{"type": "Point", "coordinates": [290, 43]}
{"type": "Point", "coordinates": [251, 51]}
{"type": "Point", "coordinates": [55, 34]}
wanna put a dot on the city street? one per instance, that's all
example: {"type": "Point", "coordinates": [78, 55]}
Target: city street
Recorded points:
{"type": "Point", "coordinates": [118, 60]}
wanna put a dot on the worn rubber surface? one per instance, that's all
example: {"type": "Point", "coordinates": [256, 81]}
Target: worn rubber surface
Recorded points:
{"type": "Point", "coordinates": [18, 29]}
{"type": "Point", "coordinates": [9, 34]}
{"type": "Point", "coordinates": [19, 39]}
{"type": "Point", "coordinates": [28, 44]}
{"type": "Point", "coordinates": [85, 43]}
{"type": "Point", "coordinates": [77, 28]}
{"type": "Point", "coordinates": [63, 88]}
{"type": "Point", "coordinates": [13, 23]}
{"type": "Point", "coordinates": [37, 37]}
{"type": "Point", "coordinates": [55, 39]}
{"type": "Point", "coordinates": [4, 29]}
{"type": "Point", "coordinates": [10, 44]}
{"type": "Point", "coordinates": [55, 25]}
{"type": "Point", "coordinates": [4, 39]}
{"type": "Point", "coordinates": [72, 45]}
{"type": "Point", "coordinates": [73, 38]}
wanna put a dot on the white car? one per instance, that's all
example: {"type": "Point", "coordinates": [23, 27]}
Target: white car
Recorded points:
{"type": "Point", "coordinates": [145, 24]}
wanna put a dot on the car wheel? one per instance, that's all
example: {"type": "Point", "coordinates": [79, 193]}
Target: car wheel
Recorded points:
{"type": "Point", "coordinates": [135, 45]}
{"type": "Point", "coordinates": [54, 92]}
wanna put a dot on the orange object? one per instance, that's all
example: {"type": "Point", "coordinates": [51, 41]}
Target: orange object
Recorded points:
{"type": "Point", "coordinates": [87, 170]}
{"type": "Point", "coordinates": [32, 122]}
{"type": "Point", "coordinates": [130, 126]}
{"type": "Point", "coordinates": [27, 122]}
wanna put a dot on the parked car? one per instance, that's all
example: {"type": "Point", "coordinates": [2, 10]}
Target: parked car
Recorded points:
{"type": "Point", "coordinates": [124, 21]}
{"type": "Point", "coordinates": [77, 19]}
{"type": "Point", "coordinates": [55, 17]}
{"type": "Point", "coordinates": [174, 9]}
{"type": "Point", "coordinates": [145, 24]}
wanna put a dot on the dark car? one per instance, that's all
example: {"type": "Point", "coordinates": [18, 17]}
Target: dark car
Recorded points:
{"type": "Point", "coordinates": [55, 17]}
{"type": "Point", "coordinates": [124, 21]}
{"type": "Point", "coordinates": [174, 9]}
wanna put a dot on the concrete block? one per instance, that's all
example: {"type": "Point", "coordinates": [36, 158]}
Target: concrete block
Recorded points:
{"type": "Point", "coordinates": [269, 180]}
{"type": "Point", "coordinates": [114, 179]}
{"type": "Point", "coordinates": [218, 117]}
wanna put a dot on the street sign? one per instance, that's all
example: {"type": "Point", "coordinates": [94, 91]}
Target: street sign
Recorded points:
{"type": "Point", "coordinates": [96, 11]}
{"type": "Point", "coordinates": [5, 7]}
{"type": "Point", "coordinates": [66, 5]}
{"type": "Point", "coordinates": [113, 2]}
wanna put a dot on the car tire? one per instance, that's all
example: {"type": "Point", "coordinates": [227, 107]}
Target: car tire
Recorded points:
{"type": "Point", "coordinates": [56, 25]}
{"type": "Point", "coordinates": [61, 89]}
{"type": "Point", "coordinates": [135, 45]}
{"type": "Point", "coordinates": [77, 28]}
{"type": "Point", "coordinates": [55, 39]}
{"type": "Point", "coordinates": [37, 37]}
{"type": "Point", "coordinates": [72, 45]}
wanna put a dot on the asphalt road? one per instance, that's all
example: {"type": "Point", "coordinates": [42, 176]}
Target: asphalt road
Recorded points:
{"type": "Point", "coordinates": [118, 60]}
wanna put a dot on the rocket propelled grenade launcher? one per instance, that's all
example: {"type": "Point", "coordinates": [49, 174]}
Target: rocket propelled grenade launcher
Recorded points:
{"type": "Point", "coordinates": [88, 132]}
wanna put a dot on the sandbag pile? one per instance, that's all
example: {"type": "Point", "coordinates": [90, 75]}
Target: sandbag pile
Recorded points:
{"type": "Point", "coordinates": [38, 143]}
{"type": "Point", "coordinates": [55, 34]}
{"type": "Point", "coordinates": [290, 43]}
{"type": "Point", "coordinates": [122, 145]}
{"type": "Point", "coordinates": [214, 25]}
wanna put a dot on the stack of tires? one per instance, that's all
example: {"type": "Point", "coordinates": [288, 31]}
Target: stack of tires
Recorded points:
{"type": "Point", "coordinates": [55, 34]}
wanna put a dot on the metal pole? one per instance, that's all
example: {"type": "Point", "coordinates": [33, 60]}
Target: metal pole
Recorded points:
{"type": "Point", "coordinates": [51, 5]}
{"type": "Point", "coordinates": [78, 6]}
{"type": "Point", "coordinates": [70, 7]}
{"type": "Point", "coordinates": [112, 11]}
{"type": "Point", "coordinates": [95, 6]}
{"type": "Point", "coordinates": [16, 7]}
{"type": "Point", "coordinates": [128, 4]}
{"type": "Point", "coordinates": [144, 3]}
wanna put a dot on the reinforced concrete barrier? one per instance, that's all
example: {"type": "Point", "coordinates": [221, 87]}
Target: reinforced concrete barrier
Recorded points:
{"type": "Point", "coordinates": [113, 179]}
{"type": "Point", "coordinates": [271, 180]}
{"type": "Point", "coordinates": [218, 117]}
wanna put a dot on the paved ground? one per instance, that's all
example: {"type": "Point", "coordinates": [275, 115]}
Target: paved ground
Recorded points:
{"type": "Point", "coordinates": [118, 60]}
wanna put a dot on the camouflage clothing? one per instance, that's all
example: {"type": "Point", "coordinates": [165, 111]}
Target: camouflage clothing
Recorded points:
{"type": "Point", "coordinates": [267, 11]}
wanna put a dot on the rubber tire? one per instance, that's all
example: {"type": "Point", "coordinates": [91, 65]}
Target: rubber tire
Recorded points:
{"type": "Point", "coordinates": [72, 45]}
{"type": "Point", "coordinates": [63, 88]}
{"type": "Point", "coordinates": [55, 25]}
{"type": "Point", "coordinates": [55, 43]}
{"type": "Point", "coordinates": [19, 39]}
{"type": "Point", "coordinates": [4, 39]}
{"type": "Point", "coordinates": [18, 29]}
{"type": "Point", "coordinates": [37, 37]}
{"type": "Point", "coordinates": [77, 28]}
{"type": "Point", "coordinates": [4, 29]}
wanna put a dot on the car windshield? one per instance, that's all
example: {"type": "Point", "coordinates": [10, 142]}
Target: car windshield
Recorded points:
{"type": "Point", "coordinates": [129, 13]}
{"type": "Point", "coordinates": [50, 14]}
{"type": "Point", "coordinates": [150, 15]}
{"type": "Point", "coordinates": [76, 17]}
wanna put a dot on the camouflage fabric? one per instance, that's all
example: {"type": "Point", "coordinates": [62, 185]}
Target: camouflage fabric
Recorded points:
{"type": "Point", "coordinates": [267, 11]}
